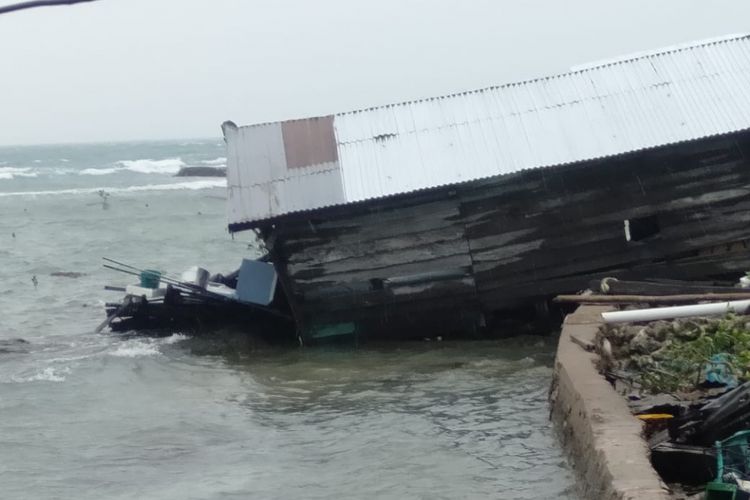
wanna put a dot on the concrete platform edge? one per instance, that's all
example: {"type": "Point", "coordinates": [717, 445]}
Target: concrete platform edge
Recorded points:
{"type": "Point", "coordinates": [602, 437]}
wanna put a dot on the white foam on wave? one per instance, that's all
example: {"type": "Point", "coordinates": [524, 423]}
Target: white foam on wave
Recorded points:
{"type": "Point", "coordinates": [49, 374]}
{"type": "Point", "coordinates": [144, 166]}
{"type": "Point", "coordinates": [216, 161]}
{"type": "Point", "coordinates": [190, 185]}
{"type": "Point", "coordinates": [149, 166]}
{"type": "Point", "coordinates": [62, 171]}
{"type": "Point", "coordinates": [8, 173]}
{"type": "Point", "coordinates": [174, 338]}
{"type": "Point", "coordinates": [99, 171]}
{"type": "Point", "coordinates": [137, 348]}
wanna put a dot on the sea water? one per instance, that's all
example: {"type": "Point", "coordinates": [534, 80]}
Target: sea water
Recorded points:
{"type": "Point", "coordinates": [94, 416]}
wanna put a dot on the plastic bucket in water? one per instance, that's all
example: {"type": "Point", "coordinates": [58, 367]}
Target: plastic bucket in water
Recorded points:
{"type": "Point", "coordinates": [150, 278]}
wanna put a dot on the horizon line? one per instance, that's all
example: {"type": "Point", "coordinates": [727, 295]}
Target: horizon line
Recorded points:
{"type": "Point", "coordinates": [108, 141]}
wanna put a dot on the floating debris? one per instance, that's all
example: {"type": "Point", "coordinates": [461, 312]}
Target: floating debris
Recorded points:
{"type": "Point", "coordinates": [247, 298]}
{"type": "Point", "coordinates": [67, 274]}
{"type": "Point", "coordinates": [688, 380]}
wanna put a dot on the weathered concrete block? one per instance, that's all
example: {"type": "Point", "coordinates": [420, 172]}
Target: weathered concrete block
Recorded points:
{"type": "Point", "coordinates": [603, 438]}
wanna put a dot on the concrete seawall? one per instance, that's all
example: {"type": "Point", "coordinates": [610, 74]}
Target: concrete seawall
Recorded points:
{"type": "Point", "coordinates": [598, 430]}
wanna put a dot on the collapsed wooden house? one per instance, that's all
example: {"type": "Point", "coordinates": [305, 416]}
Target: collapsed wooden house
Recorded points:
{"type": "Point", "coordinates": [436, 216]}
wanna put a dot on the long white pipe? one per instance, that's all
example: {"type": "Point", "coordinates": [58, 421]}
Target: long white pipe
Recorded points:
{"type": "Point", "coordinates": [713, 309]}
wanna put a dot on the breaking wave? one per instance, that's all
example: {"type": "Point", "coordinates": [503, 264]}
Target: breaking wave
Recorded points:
{"type": "Point", "coordinates": [174, 338]}
{"type": "Point", "coordinates": [148, 166]}
{"type": "Point", "coordinates": [8, 173]}
{"type": "Point", "coordinates": [145, 166]}
{"type": "Point", "coordinates": [99, 171]}
{"type": "Point", "coordinates": [190, 185]}
{"type": "Point", "coordinates": [216, 161]}
{"type": "Point", "coordinates": [137, 348]}
{"type": "Point", "coordinates": [49, 374]}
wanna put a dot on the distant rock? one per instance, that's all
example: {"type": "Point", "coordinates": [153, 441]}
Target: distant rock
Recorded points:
{"type": "Point", "coordinates": [202, 172]}
{"type": "Point", "coordinates": [11, 346]}
{"type": "Point", "coordinates": [67, 274]}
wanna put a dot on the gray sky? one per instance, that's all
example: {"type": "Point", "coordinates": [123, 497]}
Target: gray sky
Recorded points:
{"type": "Point", "coordinates": [155, 69]}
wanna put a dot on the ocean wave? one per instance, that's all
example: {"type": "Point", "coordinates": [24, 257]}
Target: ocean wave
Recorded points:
{"type": "Point", "coordinates": [149, 166]}
{"type": "Point", "coordinates": [8, 173]}
{"type": "Point", "coordinates": [136, 349]}
{"type": "Point", "coordinates": [145, 166]}
{"type": "Point", "coordinates": [216, 161]}
{"type": "Point", "coordinates": [49, 374]}
{"type": "Point", "coordinates": [62, 171]}
{"type": "Point", "coordinates": [190, 185]}
{"type": "Point", "coordinates": [174, 338]}
{"type": "Point", "coordinates": [99, 171]}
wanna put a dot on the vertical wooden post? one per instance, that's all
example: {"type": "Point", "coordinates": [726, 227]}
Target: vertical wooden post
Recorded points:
{"type": "Point", "coordinates": [270, 239]}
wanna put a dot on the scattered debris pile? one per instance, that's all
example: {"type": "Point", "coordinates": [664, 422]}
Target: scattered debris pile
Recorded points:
{"type": "Point", "coordinates": [245, 299]}
{"type": "Point", "coordinates": [687, 378]}
{"type": "Point", "coordinates": [679, 355]}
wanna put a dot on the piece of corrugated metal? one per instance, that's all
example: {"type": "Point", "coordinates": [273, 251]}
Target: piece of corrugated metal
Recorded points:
{"type": "Point", "coordinates": [653, 99]}
{"type": "Point", "coordinates": [260, 183]}
{"type": "Point", "coordinates": [309, 142]}
{"type": "Point", "coordinates": [602, 111]}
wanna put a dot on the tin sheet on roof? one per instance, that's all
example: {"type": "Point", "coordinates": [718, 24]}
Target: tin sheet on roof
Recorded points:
{"type": "Point", "coordinates": [652, 99]}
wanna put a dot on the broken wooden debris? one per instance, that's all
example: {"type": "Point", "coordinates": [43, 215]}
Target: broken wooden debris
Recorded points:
{"type": "Point", "coordinates": [671, 357]}
{"type": "Point", "coordinates": [196, 304]}
{"type": "Point", "coordinates": [614, 286]}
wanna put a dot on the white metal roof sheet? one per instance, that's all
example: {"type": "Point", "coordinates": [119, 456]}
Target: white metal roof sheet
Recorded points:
{"type": "Point", "coordinates": [638, 102]}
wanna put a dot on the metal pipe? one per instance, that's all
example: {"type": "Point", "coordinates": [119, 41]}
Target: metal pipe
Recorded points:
{"type": "Point", "coordinates": [657, 313]}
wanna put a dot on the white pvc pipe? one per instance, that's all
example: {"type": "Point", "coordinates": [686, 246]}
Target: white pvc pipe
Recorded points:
{"type": "Point", "coordinates": [713, 309]}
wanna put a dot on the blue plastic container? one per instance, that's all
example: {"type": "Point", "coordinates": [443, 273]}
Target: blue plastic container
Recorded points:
{"type": "Point", "coordinates": [150, 278]}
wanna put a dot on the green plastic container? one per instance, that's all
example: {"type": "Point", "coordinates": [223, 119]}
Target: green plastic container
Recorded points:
{"type": "Point", "coordinates": [150, 278]}
{"type": "Point", "coordinates": [720, 491]}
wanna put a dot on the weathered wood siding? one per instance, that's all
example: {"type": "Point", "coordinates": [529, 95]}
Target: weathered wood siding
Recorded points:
{"type": "Point", "coordinates": [437, 259]}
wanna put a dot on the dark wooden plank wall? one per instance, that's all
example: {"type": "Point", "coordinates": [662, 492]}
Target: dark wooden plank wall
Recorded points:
{"type": "Point", "coordinates": [699, 196]}
{"type": "Point", "coordinates": [437, 258]}
{"type": "Point", "coordinates": [341, 268]}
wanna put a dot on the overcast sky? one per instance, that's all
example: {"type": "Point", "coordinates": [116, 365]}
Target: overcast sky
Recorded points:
{"type": "Point", "coordinates": [154, 69]}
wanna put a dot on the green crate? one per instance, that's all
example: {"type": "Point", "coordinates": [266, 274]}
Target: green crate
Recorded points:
{"type": "Point", "coordinates": [721, 491]}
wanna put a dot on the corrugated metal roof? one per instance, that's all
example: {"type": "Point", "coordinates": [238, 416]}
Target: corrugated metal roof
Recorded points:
{"type": "Point", "coordinates": [638, 102]}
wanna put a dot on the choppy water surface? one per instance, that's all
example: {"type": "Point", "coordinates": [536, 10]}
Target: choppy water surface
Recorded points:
{"type": "Point", "coordinates": [101, 416]}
